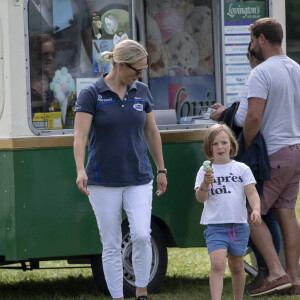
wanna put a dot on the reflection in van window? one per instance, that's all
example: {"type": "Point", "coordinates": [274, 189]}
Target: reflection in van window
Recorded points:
{"type": "Point", "coordinates": [179, 38]}
{"type": "Point", "coordinates": [66, 39]}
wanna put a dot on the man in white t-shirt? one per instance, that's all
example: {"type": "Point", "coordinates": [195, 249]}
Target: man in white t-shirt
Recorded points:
{"type": "Point", "coordinates": [274, 110]}
{"type": "Point", "coordinates": [242, 97]}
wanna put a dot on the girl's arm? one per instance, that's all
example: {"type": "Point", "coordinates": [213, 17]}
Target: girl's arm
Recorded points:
{"type": "Point", "coordinates": [153, 140]}
{"type": "Point", "coordinates": [202, 192]}
{"type": "Point", "coordinates": [254, 201]}
{"type": "Point", "coordinates": [81, 129]}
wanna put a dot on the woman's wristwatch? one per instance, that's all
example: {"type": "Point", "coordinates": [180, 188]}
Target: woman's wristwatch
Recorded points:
{"type": "Point", "coordinates": [164, 171]}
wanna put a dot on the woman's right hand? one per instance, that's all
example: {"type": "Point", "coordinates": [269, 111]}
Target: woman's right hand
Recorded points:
{"type": "Point", "coordinates": [81, 182]}
{"type": "Point", "coordinates": [81, 130]}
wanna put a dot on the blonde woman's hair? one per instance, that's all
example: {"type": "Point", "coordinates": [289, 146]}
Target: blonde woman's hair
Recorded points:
{"type": "Point", "coordinates": [127, 51]}
{"type": "Point", "coordinates": [210, 136]}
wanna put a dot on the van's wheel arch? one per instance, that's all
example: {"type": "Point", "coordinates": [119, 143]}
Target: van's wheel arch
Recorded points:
{"type": "Point", "coordinates": [158, 267]}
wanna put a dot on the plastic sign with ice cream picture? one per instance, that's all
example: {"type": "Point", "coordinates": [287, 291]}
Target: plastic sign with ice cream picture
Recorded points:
{"type": "Point", "coordinates": [119, 37]}
{"type": "Point", "coordinates": [100, 63]}
{"type": "Point", "coordinates": [110, 23]}
{"type": "Point", "coordinates": [97, 26]}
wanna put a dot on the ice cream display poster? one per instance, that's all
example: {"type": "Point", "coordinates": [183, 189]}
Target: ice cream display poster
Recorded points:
{"type": "Point", "coordinates": [189, 96]}
{"type": "Point", "coordinates": [100, 65]}
{"type": "Point", "coordinates": [179, 38]}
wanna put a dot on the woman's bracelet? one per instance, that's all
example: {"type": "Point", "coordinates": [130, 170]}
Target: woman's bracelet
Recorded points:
{"type": "Point", "coordinates": [201, 189]}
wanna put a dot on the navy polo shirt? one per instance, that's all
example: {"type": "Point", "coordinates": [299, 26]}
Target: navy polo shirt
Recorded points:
{"type": "Point", "coordinates": [117, 152]}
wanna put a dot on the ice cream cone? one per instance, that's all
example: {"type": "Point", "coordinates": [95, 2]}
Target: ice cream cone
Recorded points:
{"type": "Point", "coordinates": [212, 183]}
{"type": "Point", "coordinates": [207, 167]}
{"type": "Point", "coordinates": [63, 109]}
{"type": "Point", "coordinates": [62, 86]}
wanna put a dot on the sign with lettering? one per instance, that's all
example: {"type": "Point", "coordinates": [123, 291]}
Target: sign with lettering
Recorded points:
{"type": "Point", "coordinates": [189, 96]}
{"type": "Point", "coordinates": [249, 10]}
{"type": "Point", "coordinates": [237, 18]}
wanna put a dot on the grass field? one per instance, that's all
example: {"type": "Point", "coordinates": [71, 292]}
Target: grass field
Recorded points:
{"type": "Point", "coordinates": [187, 279]}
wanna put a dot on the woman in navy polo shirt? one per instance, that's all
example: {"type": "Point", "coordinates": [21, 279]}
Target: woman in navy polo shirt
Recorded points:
{"type": "Point", "coordinates": [115, 114]}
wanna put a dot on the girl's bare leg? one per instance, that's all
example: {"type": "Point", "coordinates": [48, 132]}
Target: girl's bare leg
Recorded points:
{"type": "Point", "coordinates": [217, 270]}
{"type": "Point", "coordinates": [236, 266]}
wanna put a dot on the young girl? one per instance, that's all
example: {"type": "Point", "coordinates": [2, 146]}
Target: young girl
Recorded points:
{"type": "Point", "coordinates": [225, 210]}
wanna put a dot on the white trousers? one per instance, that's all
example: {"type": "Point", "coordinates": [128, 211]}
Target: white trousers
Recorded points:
{"type": "Point", "coordinates": [107, 203]}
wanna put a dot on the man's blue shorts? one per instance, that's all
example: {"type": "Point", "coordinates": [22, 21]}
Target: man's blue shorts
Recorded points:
{"type": "Point", "coordinates": [232, 236]}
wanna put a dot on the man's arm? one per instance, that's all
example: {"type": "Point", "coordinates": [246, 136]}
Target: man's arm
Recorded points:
{"type": "Point", "coordinates": [253, 119]}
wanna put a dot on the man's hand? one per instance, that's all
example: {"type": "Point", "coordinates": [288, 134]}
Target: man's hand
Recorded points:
{"type": "Point", "coordinates": [219, 108]}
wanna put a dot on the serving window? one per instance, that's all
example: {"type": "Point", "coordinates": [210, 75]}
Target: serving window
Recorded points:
{"type": "Point", "coordinates": [196, 53]}
{"type": "Point", "coordinates": [66, 40]}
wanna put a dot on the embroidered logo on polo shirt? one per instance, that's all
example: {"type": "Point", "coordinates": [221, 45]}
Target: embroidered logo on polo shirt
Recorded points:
{"type": "Point", "coordinates": [100, 99]}
{"type": "Point", "coordinates": [138, 107]}
{"type": "Point", "coordinates": [77, 106]}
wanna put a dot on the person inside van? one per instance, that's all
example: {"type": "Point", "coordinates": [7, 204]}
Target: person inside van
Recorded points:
{"type": "Point", "coordinates": [42, 62]}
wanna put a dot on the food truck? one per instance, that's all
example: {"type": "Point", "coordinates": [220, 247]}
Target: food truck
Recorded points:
{"type": "Point", "coordinates": [50, 50]}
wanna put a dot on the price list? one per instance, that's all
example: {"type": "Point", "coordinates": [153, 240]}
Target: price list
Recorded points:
{"type": "Point", "coordinates": [237, 18]}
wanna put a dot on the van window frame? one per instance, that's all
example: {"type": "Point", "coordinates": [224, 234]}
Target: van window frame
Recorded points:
{"type": "Point", "coordinates": [63, 131]}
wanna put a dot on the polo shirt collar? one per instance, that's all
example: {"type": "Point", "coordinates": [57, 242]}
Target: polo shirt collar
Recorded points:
{"type": "Point", "coordinates": [103, 87]}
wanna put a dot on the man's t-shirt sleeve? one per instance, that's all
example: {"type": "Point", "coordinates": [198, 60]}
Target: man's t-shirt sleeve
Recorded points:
{"type": "Point", "coordinates": [258, 84]}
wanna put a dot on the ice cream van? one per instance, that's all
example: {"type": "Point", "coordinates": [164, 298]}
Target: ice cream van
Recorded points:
{"type": "Point", "coordinates": [51, 49]}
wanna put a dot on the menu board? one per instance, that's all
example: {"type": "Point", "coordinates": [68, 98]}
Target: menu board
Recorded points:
{"type": "Point", "coordinates": [237, 18]}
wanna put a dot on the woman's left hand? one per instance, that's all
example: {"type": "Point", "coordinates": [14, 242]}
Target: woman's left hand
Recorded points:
{"type": "Point", "coordinates": [161, 183]}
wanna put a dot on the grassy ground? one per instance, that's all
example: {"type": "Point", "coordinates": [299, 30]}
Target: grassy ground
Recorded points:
{"type": "Point", "coordinates": [187, 279]}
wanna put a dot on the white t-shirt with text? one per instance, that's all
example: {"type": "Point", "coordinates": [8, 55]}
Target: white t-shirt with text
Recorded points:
{"type": "Point", "coordinates": [226, 201]}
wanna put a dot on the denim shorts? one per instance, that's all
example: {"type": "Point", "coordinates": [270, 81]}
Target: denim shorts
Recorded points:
{"type": "Point", "coordinates": [232, 236]}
